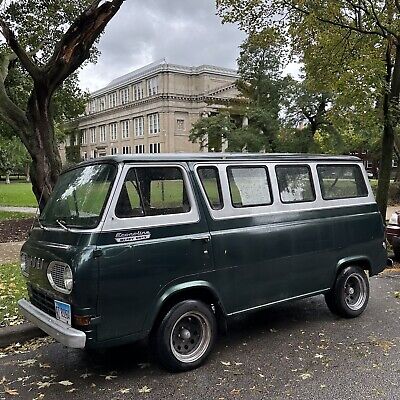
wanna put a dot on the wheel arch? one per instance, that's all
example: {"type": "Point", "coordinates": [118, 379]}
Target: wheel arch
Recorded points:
{"type": "Point", "coordinates": [360, 261]}
{"type": "Point", "coordinates": [195, 290]}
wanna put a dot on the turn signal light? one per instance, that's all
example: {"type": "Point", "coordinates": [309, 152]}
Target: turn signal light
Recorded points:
{"type": "Point", "coordinates": [82, 320]}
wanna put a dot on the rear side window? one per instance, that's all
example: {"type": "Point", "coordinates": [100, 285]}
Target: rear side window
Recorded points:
{"type": "Point", "coordinates": [209, 179]}
{"type": "Point", "coordinates": [152, 191]}
{"type": "Point", "coordinates": [249, 186]}
{"type": "Point", "coordinates": [341, 181]}
{"type": "Point", "coordinates": [295, 183]}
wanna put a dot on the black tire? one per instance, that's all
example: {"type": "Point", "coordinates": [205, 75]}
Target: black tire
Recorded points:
{"type": "Point", "coordinates": [185, 336]}
{"type": "Point", "coordinates": [349, 296]}
{"type": "Point", "coordinates": [396, 251]}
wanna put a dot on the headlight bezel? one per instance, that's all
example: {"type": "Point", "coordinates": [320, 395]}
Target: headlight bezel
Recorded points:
{"type": "Point", "coordinates": [67, 274]}
{"type": "Point", "coordinates": [24, 265]}
{"type": "Point", "coordinates": [394, 219]}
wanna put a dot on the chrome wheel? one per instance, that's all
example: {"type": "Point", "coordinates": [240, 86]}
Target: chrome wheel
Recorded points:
{"type": "Point", "coordinates": [355, 291]}
{"type": "Point", "coordinates": [190, 337]}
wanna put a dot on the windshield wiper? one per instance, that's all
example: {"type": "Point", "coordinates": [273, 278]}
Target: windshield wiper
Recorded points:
{"type": "Point", "coordinates": [62, 224]}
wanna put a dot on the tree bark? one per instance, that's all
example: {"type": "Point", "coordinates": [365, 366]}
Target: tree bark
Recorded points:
{"type": "Point", "coordinates": [390, 100]}
{"type": "Point", "coordinates": [46, 161]}
{"type": "Point", "coordinates": [35, 126]}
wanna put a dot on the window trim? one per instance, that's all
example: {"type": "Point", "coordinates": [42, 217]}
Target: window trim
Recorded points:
{"type": "Point", "coordinates": [221, 195]}
{"type": "Point", "coordinates": [114, 224]}
{"type": "Point", "coordinates": [229, 167]}
{"type": "Point", "coordinates": [311, 181]}
{"type": "Point", "coordinates": [317, 166]}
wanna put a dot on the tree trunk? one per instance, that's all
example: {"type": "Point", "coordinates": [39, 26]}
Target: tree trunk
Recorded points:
{"type": "Point", "coordinates": [390, 100]}
{"type": "Point", "coordinates": [385, 168]}
{"type": "Point", "coordinates": [46, 161]}
{"type": "Point", "coordinates": [8, 178]}
{"type": "Point", "coordinates": [27, 170]}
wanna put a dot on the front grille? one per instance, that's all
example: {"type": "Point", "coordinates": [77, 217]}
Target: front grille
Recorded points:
{"type": "Point", "coordinates": [42, 301]}
{"type": "Point", "coordinates": [56, 272]}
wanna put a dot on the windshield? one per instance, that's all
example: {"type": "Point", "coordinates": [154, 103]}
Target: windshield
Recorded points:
{"type": "Point", "coordinates": [79, 197]}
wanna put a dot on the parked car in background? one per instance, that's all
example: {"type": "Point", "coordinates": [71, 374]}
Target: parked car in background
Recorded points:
{"type": "Point", "coordinates": [393, 233]}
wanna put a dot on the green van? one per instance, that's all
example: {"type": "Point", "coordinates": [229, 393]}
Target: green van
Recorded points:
{"type": "Point", "coordinates": [170, 246]}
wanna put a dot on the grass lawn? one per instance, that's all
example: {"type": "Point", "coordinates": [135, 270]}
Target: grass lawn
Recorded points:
{"type": "Point", "coordinates": [12, 288]}
{"type": "Point", "coordinates": [17, 195]}
{"type": "Point", "coordinates": [6, 216]}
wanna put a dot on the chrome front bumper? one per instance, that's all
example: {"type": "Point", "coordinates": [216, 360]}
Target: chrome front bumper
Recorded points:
{"type": "Point", "coordinates": [63, 333]}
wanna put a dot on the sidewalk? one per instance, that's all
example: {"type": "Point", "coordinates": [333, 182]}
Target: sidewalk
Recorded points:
{"type": "Point", "coordinates": [28, 210]}
{"type": "Point", "coordinates": [9, 252]}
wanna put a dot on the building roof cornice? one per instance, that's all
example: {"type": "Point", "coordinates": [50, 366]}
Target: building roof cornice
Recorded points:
{"type": "Point", "coordinates": [159, 67]}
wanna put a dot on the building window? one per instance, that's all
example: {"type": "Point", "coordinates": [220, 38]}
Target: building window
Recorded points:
{"type": "Point", "coordinates": [112, 100]}
{"type": "Point", "coordinates": [152, 86]}
{"type": "Point", "coordinates": [180, 124]}
{"type": "Point", "coordinates": [113, 132]}
{"type": "Point", "coordinates": [83, 136]}
{"type": "Point", "coordinates": [113, 151]}
{"type": "Point", "coordinates": [139, 149]}
{"type": "Point", "coordinates": [138, 125]}
{"type": "Point", "coordinates": [125, 129]}
{"type": "Point", "coordinates": [138, 91]}
{"type": "Point", "coordinates": [102, 104]}
{"type": "Point", "coordinates": [92, 135]}
{"type": "Point", "coordinates": [124, 95]}
{"type": "Point", "coordinates": [92, 107]}
{"type": "Point", "coordinates": [126, 150]}
{"type": "Point", "coordinates": [102, 130]}
{"type": "Point", "coordinates": [154, 123]}
{"type": "Point", "coordinates": [155, 148]}
{"type": "Point", "coordinates": [84, 155]}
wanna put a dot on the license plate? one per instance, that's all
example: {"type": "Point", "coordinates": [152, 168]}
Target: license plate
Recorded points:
{"type": "Point", "coordinates": [63, 312]}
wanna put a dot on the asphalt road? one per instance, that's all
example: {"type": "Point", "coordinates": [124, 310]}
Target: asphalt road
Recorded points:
{"type": "Point", "coordinates": [293, 351]}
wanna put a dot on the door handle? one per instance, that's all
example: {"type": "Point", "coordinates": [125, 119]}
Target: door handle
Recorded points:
{"type": "Point", "coordinates": [205, 238]}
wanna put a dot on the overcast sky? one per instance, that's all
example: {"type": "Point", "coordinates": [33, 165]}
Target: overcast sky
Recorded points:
{"type": "Point", "coordinates": [185, 32]}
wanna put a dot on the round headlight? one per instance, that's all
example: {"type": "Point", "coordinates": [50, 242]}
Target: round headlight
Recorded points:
{"type": "Point", "coordinates": [68, 278]}
{"type": "Point", "coordinates": [60, 277]}
{"type": "Point", "coordinates": [24, 265]}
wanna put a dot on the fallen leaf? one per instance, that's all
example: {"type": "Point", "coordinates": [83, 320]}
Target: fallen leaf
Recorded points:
{"type": "Point", "coordinates": [11, 392]}
{"type": "Point", "coordinates": [27, 363]}
{"type": "Point", "coordinates": [42, 385]}
{"type": "Point", "coordinates": [124, 391]}
{"type": "Point", "coordinates": [226, 363]}
{"type": "Point", "coordinates": [65, 383]}
{"type": "Point", "coordinates": [305, 376]}
{"type": "Point", "coordinates": [145, 389]}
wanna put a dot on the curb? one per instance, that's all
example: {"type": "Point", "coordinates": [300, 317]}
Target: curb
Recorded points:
{"type": "Point", "coordinates": [19, 334]}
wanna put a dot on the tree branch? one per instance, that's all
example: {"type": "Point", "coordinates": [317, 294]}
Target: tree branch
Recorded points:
{"type": "Point", "coordinates": [397, 3]}
{"type": "Point", "coordinates": [339, 23]}
{"type": "Point", "coordinates": [74, 47]}
{"type": "Point", "coordinates": [22, 55]}
{"type": "Point", "coordinates": [379, 23]}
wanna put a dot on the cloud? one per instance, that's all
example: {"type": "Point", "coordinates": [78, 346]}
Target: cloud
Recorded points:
{"type": "Point", "coordinates": [184, 32]}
